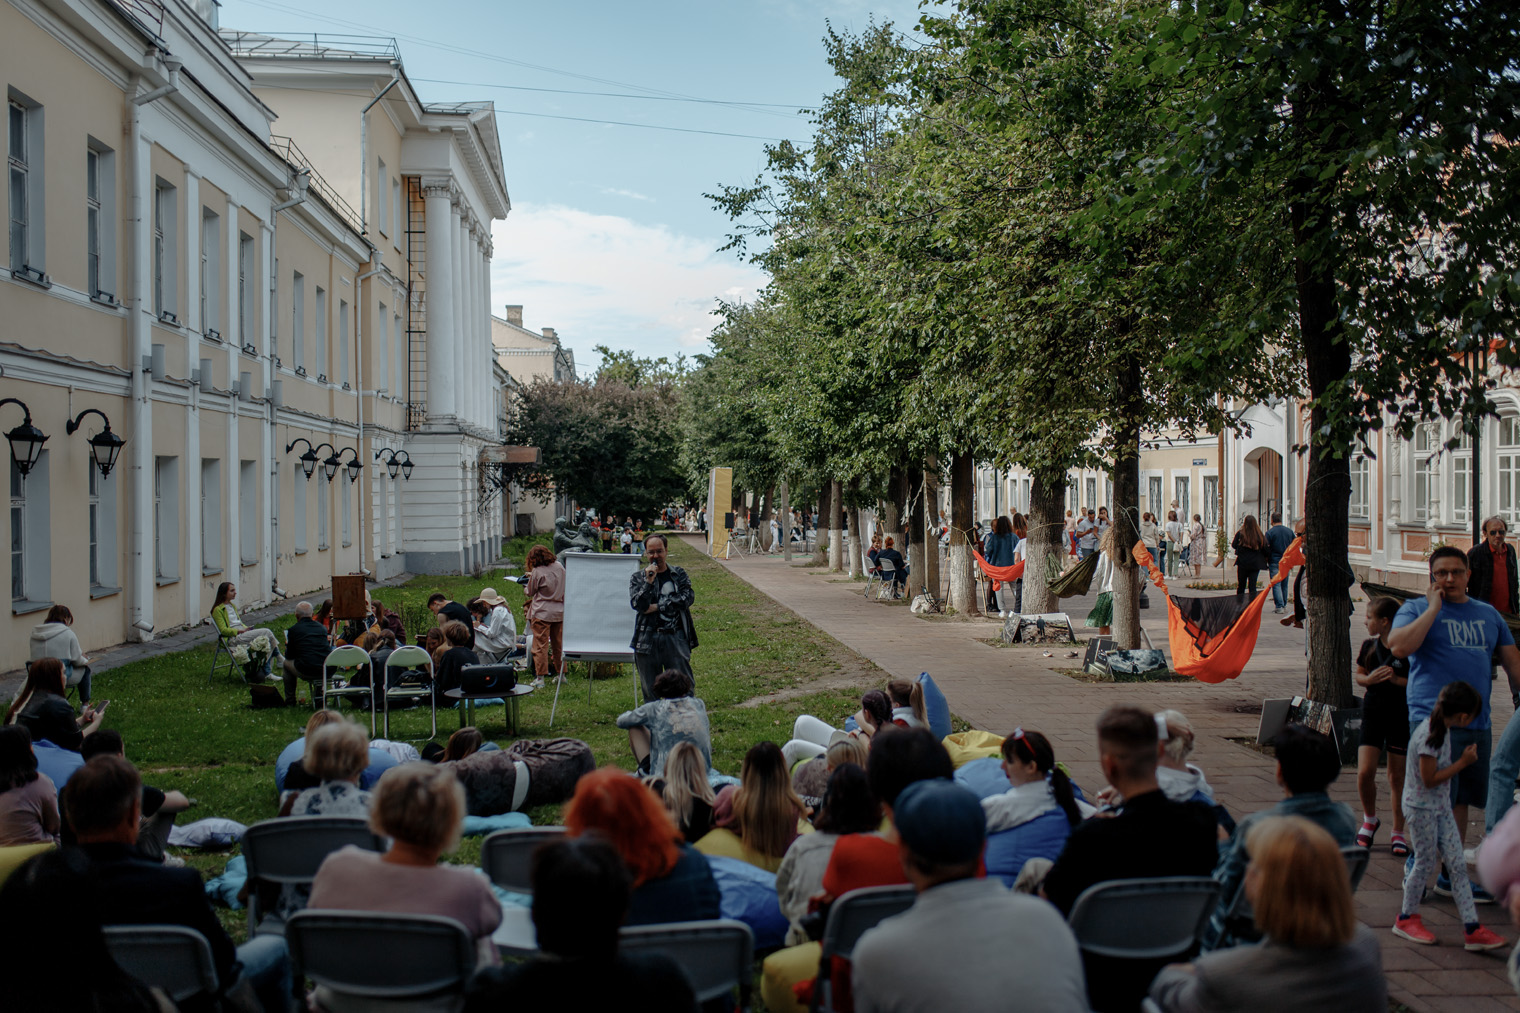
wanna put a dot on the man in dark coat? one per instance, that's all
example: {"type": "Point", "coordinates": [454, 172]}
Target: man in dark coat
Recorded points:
{"type": "Point", "coordinates": [663, 634]}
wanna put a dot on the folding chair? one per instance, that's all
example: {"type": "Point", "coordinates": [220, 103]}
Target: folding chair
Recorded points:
{"type": "Point", "coordinates": [410, 661]}
{"type": "Point", "coordinates": [373, 955]}
{"type": "Point", "coordinates": [507, 858]}
{"type": "Point", "coordinates": [1143, 919]}
{"type": "Point", "coordinates": [288, 851]}
{"type": "Point", "coordinates": [223, 650]}
{"type": "Point", "coordinates": [1238, 921]}
{"type": "Point", "coordinates": [849, 918]}
{"type": "Point", "coordinates": [887, 588]}
{"type": "Point", "coordinates": [718, 956]}
{"type": "Point", "coordinates": [873, 576]}
{"type": "Point", "coordinates": [350, 659]}
{"type": "Point", "coordinates": [174, 958]}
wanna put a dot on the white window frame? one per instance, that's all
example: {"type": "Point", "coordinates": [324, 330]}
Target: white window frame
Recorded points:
{"type": "Point", "coordinates": [1182, 492]}
{"type": "Point", "coordinates": [383, 359]}
{"type": "Point", "coordinates": [31, 545]}
{"type": "Point", "coordinates": [298, 322]}
{"type": "Point", "coordinates": [1210, 511]}
{"type": "Point", "coordinates": [102, 494]}
{"type": "Point", "coordinates": [396, 206]}
{"type": "Point", "coordinates": [211, 274]}
{"type": "Point", "coordinates": [100, 221]}
{"type": "Point", "coordinates": [324, 509]}
{"type": "Point", "coordinates": [211, 516]}
{"type": "Point", "coordinates": [399, 390]}
{"type": "Point", "coordinates": [165, 251]}
{"type": "Point", "coordinates": [245, 280]}
{"type": "Point", "coordinates": [1460, 497]}
{"type": "Point", "coordinates": [1155, 496]}
{"type": "Point", "coordinates": [166, 519]}
{"type": "Point", "coordinates": [382, 202]}
{"type": "Point", "coordinates": [1423, 447]}
{"type": "Point", "coordinates": [320, 298]}
{"type": "Point", "coordinates": [1090, 491]}
{"type": "Point", "coordinates": [27, 174]}
{"type": "Point", "coordinates": [1361, 477]}
{"type": "Point", "coordinates": [298, 498]}
{"type": "Point", "coordinates": [248, 512]}
{"type": "Point", "coordinates": [1507, 468]}
{"type": "Point", "coordinates": [346, 501]}
{"type": "Point", "coordinates": [342, 376]}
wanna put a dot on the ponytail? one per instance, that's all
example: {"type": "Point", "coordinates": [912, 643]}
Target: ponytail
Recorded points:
{"type": "Point", "coordinates": [911, 695]}
{"type": "Point", "coordinates": [1066, 798]}
{"type": "Point", "coordinates": [1033, 747]}
{"type": "Point", "coordinates": [1455, 698]}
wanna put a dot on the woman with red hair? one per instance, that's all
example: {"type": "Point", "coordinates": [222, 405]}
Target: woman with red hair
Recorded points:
{"type": "Point", "coordinates": [672, 881]}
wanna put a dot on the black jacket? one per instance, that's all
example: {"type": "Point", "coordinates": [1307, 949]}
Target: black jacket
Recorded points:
{"type": "Point", "coordinates": [1480, 559]}
{"type": "Point", "coordinates": [457, 612]}
{"type": "Point", "coordinates": [674, 607]}
{"type": "Point", "coordinates": [307, 645]}
{"type": "Point", "coordinates": [49, 716]}
{"type": "Point", "coordinates": [1247, 558]}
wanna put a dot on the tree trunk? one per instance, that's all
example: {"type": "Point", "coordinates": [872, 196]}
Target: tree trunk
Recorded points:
{"type": "Point", "coordinates": [1047, 539]}
{"type": "Point", "coordinates": [825, 512]}
{"type": "Point", "coordinates": [914, 485]}
{"type": "Point", "coordinates": [786, 522]}
{"type": "Point", "coordinates": [836, 528]}
{"type": "Point", "coordinates": [853, 547]}
{"type": "Point", "coordinates": [962, 506]}
{"type": "Point", "coordinates": [1126, 488]}
{"type": "Point", "coordinates": [889, 520]}
{"type": "Point", "coordinates": [928, 578]}
{"type": "Point", "coordinates": [767, 504]}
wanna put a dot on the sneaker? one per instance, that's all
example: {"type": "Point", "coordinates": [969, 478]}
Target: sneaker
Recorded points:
{"type": "Point", "coordinates": [1414, 930]}
{"type": "Point", "coordinates": [1481, 896]}
{"type": "Point", "coordinates": [1369, 830]}
{"type": "Point", "coordinates": [1481, 938]}
{"type": "Point", "coordinates": [1443, 885]}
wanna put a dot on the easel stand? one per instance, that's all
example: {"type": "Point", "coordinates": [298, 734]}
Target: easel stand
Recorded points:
{"type": "Point", "coordinates": [590, 662]}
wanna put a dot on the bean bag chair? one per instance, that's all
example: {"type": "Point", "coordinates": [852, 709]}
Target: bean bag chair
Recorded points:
{"type": "Point", "coordinates": [785, 969]}
{"type": "Point", "coordinates": [964, 747]}
{"type": "Point", "coordinates": [749, 896]}
{"type": "Point", "coordinates": [936, 707]}
{"type": "Point", "coordinates": [984, 777]}
{"type": "Point", "coordinates": [379, 762]}
{"type": "Point", "coordinates": [529, 773]}
{"type": "Point", "coordinates": [1042, 837]}
{"type": "Point", "coordinates": [720, 842]}
{"type": "Point", "coordinates": [13, 857]}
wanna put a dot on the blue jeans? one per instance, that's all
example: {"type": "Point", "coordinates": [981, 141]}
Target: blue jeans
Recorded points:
{"type": "Point", "coordinates": [1161, 557]}
{"type": "Point", "coordinates": [1280, 589]}
{"type": "Point", "coordinates": [1083, 553]}
{"type": "Point", "coordinates": [266, 965]}
{"type": "Point", "coordinates": [1501, 776]}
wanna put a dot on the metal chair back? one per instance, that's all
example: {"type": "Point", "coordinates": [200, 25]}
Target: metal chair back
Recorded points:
{"type": "Point", "coordinates": [349, 658]}
{"type": "Point", "coordinates": [850, 916]}
{"type": "Point", "coordinates": [378, 955]}
{"type": "Point", "coordinates": [1143, 919]}
{"type": "Point", "coordinates": [718, 956]}
{"type": "Point", "coordinates": [409, 659]}
{"type": "Point", "coordinates": [289, 851]}
{"type": "Point", "coordinates": [507, 855]}
{"type": "Point", "coordinates": [174, 958]}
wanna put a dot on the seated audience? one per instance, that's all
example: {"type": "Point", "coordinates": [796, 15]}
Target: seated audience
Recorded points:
{"type": "Point", "coordinates": [52, 638]}
{"type": "Point", "coordinates": [103, 805]}
{"type": "Point", "coordinates": [1149, 836]}
{"type": "Point", "coordinates": [1033, 818]}
{"type": "Point", "coordinates": [673, 716]}
{"type": "Point", "coordinates": [495, 626]}
{"type": "Point", "coordinates": [43, 710]}
{"type": "Point", "coordinates": [766, 814]}
{"type": "Point", "coordinates": [451, 611]}
{"type": "Point", "coordinates": [686, 791]}
{"type": "Point", "coordinates": [306, 650]}
{"type": "Point", "coordinates": [388, 621]}
{"type": "Point", "coordinates": [847, 808]}
{"type": "Point", "coordinates": [966, 943]}
{"type": "Point", "coordinates": [448, 664]}
{"type": "Point", "coordinates": [1315, 957]}
{"type": "Point", "coordinates": [812, 737]}
{"type": "Point", "coordinates": [811, 778]}
{"type": "Point", "coordinates": [672, 881]}
{"type": "Point", "coordinates": [237, 633]}
{"type": "Point", "coordinates": [907, 696]}
{"type": "Point", "coordinates": [291, 775]}
{"type": "Point", "coordinates": [1182, 781]}
{"type": "Point", "coordinates": [580, 895]}
{"type": "Point", "coordinates": [420, 807]}
{"type": "Point", "coordinates": [159, 808]}
{"type": "Point", "coordinates": [1307, 763]}
{"type": "Point", "coordinates": [51, 905]}
{"type": "Point", "coordinates": [336, 755]}
{"type": "Point", "coordinates": [900, 565]}
{"type": "Point", "coordinates": [28, 800]}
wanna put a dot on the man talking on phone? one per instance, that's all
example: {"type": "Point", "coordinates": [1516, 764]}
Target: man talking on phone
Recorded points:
{"type": "Point", "coordinates": [1448, 635]}
{"type": "Point", "coordinates": [663, 634]}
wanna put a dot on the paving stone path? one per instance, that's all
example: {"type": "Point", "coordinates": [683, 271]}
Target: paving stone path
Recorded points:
{"type": "Point", "coordinates": [999, 688]}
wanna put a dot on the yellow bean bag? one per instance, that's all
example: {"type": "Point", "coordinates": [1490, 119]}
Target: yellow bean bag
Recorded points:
{"type": "Point", "coordinates": [12, 857]}
{"type": "Point", "coordinates": [972, 745]}
{"type": "Point", "coordinates": [782, 970]}
{"type": "Point", "coordinates": [721, 842]}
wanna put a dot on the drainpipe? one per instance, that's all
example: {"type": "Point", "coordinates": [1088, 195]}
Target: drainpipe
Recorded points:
{"type": "Point", "coordinates": [140, 340]}
{"type": "Point", "coordinates": [364, 149]}
{"type": "Point", "coordinates": [375, 268]}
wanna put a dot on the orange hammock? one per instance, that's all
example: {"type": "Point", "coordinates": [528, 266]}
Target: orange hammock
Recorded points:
{"type": "Point", "coordinates": [1212, 638]}
{"type": "Point", "coordinates": [999, 575]}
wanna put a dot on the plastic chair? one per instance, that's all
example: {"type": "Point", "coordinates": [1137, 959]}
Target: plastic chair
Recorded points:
{"type": "Point", "coordinates": [381, 956]}
{"type": "Point", "coordinates": [507, 858]}
{"type": "Point", "coordinates": [718, 956]}
{"type": "Point", "coordinates": [223, 650]}
{"type": "Point", "coordinates": [409, 661]}
{"type": "Point", "coordinates": [1143, 919]}
{"type": "Point", "coordinates": [289, 850]}
{"type": "Point", "coordinates": [348, 658]}
{"type": "Point", "coordinates": [888, 586]}
{"type": "Point", "coordinates": [174, 958]}
{"type": "Point", "coordinates": [850, 916]}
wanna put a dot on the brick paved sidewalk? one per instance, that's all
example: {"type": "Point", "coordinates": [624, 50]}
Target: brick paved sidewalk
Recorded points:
{"type": "Point", "coordinates": [998, 688]}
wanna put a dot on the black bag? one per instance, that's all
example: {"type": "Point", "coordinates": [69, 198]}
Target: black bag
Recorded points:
{"type": "Point", "coordinates": [265, 696]}
{"type": "Point", "coordinates": [478, 679]}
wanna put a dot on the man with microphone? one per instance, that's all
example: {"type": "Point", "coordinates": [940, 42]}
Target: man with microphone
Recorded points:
{"type": "Point", "coordinates": [663, 634]}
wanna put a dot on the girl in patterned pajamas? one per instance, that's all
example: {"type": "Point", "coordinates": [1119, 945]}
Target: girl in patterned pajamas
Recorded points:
{"type": "Point", "coordinates": [1432, 827]}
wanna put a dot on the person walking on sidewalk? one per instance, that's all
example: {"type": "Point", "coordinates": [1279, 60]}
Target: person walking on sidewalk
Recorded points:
{"type": "Point", "coordinates": [1279, 537]}
{"type": "Point", "coordinates": [663, 633]}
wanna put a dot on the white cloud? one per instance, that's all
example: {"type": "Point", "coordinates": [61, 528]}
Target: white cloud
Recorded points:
{"type": "Point", "coordinates": [631, 194]}
{"type": "Point", "coordinates": [606, 279]}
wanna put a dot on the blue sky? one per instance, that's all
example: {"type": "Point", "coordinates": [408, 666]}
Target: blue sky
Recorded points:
{"type": "Point", "coordinates": [610, 240]}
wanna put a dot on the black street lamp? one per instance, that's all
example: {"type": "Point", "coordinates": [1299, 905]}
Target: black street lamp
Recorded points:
{"type": "Point", "coordinates": [392, 463]}
{"type": "Point", "coordinates": [104, 445]}
{"type": "Point", "coordinates": [308, 459]}
{"type": "Point", "coordinates": [406, 465]}
{"type": "Point", "coordinates": [330, 464]}
{"type": "Point", "coordinates": [354, 467]}
{"type": "Point", "coordinates": [26, 440]}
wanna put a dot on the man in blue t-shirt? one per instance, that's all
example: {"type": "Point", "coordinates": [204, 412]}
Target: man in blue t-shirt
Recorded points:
{"type": "Point", "coordinates": [1448, 636]}
{"type": "Point", "coordinates": [1279, 537]}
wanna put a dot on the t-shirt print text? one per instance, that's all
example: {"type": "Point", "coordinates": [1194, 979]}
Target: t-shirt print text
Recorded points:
{"type": "Point", "coordinates": [1470, 634]}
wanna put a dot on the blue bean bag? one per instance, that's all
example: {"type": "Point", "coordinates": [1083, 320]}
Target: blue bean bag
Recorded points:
{"type": "Point", "coordinates": [749, 896]}
{"type": "Point", "coordinates": [1042, 837]}
{"type": "Point", "coordinates": [935, 706]}
{"type": "Point", "coordinates": [379, 762]}
{"type": "Point", "coordinates": [984, 777]}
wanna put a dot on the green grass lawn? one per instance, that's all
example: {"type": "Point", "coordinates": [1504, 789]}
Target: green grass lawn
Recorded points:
{"type": "Point", "coordinates": [204, 739]}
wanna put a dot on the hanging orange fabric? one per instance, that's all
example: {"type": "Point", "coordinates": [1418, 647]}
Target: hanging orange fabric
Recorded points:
{"type": "Point", "coordinates": [1213, 638]}
{"type": "Point", "coordinates": [999, 575]}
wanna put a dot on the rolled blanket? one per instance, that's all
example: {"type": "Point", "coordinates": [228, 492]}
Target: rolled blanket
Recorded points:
{"type": "Point", "coordinates": [525, 774]}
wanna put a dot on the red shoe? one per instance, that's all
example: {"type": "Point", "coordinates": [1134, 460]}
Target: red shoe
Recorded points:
{"type": "Point", "coordinates": [1482, 938]}
{"type": "Point", "coordinates": [1414, 930]}
{"type": "Point", "coordinates": [1369, 830]}
{"type": "Point", "coordinates": [1400, 845]}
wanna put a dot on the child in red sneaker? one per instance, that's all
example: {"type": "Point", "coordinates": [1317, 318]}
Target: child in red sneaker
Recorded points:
{"type": "Point", "coordinates": [1427, 807]}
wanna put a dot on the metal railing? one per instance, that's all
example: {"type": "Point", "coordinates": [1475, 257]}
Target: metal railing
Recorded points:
{"type": "Point", "coordinates": [307, 45]}
{"type": "Point", "coordinates": [148, 13]}
{"type": "Point", "coordinates": [287, 149]}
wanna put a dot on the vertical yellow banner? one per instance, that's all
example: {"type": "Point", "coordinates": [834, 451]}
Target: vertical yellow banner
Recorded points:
{"type": "Point", "coordinates": [720, 500]}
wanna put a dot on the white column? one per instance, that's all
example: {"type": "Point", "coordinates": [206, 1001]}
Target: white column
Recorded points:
{"type": "Point", "coordinates": [440, 301]}
{"type": "Point", "coordinates": [481, 336]}
{"type": "Point", "coordinates": [463, 407]}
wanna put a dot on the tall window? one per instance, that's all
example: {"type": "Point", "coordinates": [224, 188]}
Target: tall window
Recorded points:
{"type": "Point", "coordinates": [1461, 479]}
{"type": "Point", "coordinates": [298, 322]}
{"type": "Point", "coordinates": [343, 342]}
{"type": "Point", "coordinates": [166, 519]}
{"type": "Point", "coordinates": [102, 494]}
{"type": "Point", "coordinates": [211, 273]}
{"type": "Point", "coordinates": [1509, 469]}
{"type": "Point", "coordinates": [1092, 493]}
{"type": "Point", "coordinates": [27, 179]}
{"type": "Point", "coordinates": [248, 512]}
{"type": "Point", "coordinates": [92, 223]}
{"type": "Point", "coordinates": [1153, 497]}
{"type": "Point", "coordinates": [400, 390]}
{"type": "Point", "coordinates": [18, 535]}
{"type": "Point", "coordinates": [31, 535]}
{"type": "Point", "coordinates": [1024, 494]}
{"type": "Point", "coordinates": [1210, 502]}
{"type": "Point", "coordinates": [94, 493]}
{"type": "Point", "coordinates": [298, 494]}
{"type": "Point", "coordinates": [1424, 449]}
{"type": "Point", "coordinates": [100, 221]}
{"type": "Point", "coordinates": [165, 252]}
{"type": "Point", "coordinates": [1360, 504]}
{"type": "Point", "coordinates": [347, 505]}
{"type": "Point", "coordinates": [1182, 487]}
{"type": "Point", "coordinates": [383, 324]}
{"type": "Point", "coordinates": [211, 515]}
{"type": "Point", "coordinates": [244, 293]}
{"type": "Point", "coordinates": [321, 333]}
{"type": "Point", "coordinates": [400, 226]}
{"type": "Point", "coordinates": [382, 208]}
{"type": "Point", "coordinates": [323, 512]}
